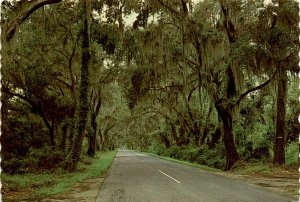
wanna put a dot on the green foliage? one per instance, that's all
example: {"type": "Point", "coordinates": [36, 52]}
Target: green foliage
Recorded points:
{"type": "Point", "coordinates": [292, 152]}
{"type": "Point", "coordinates": [57, 182]}
{"type": "Point", "coordinates": [95, 169]}
{"type": "Point", "coordinates": [36, 159]}
{"type": "Point", "coordinates": [105, 35]}
{"type": "Point", "coordinates": [203, 167]}
{"type": "Point", "coordinates": [45, 158]}
{"type": "Point", "coordinates": [15, 182]}
{"type": "Point", "coordinates": [212, 157]}
{"type": "Point", "coordinates": [157, 82]}
{"type": "Point", "coordinates": [258, 167]}
{"type": "Point", "coordinates": [259, 135]}
{"type": "Point", "coordinates": [202, 155]}
{"type": "Point", "coordinates": [156, 149]}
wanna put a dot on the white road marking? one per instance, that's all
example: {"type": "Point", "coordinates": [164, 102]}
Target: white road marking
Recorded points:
{"type": "Point", "coordinates": [141, 160]}
{"type": "Point", "coordinates": [169, 176]}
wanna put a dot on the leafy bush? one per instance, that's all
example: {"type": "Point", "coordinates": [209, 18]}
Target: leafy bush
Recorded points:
{"type": "Point", "coordinates": [202, 155]}
{"type": "Point", "coordinates": [291, 154]}
{"type": "Point", "coordinates": [156, 149]}
{"type": "Point", "coordinates": [260, 135]}
{"type": "Point", "coordinates": [261, 152]}
{"type": "Point", "coordinates": [189, 154]}
{"type": "Point", "coordinates": [212, 157]}
{"type": "Point", "coordinates": [36, 159]}
{"type": "Point", "coordinates": [11, 165]}
{"type": "Point", "coordinates": [173, 152]}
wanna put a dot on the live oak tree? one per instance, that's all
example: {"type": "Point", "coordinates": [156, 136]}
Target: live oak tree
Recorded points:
{"type": "Point", "coordinates": [183, 76]}
{"type": "Point", "coordinates": [83, 108]}
{"type": "Point", "coordinates": [41, 80]}
{"type": "Point", "coordinates": [30, 7]}
{"type": "Point", "coordinates": [285, 56]}
{"type": "Point", "coordinates": [214, 62]}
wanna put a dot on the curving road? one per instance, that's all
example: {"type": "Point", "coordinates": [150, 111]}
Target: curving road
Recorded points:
{"type": "Point", "coordinates": [136, 177]}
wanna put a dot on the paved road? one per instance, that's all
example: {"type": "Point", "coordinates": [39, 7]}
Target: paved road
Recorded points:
{"type": "Point", "coordinates": [136, 177]}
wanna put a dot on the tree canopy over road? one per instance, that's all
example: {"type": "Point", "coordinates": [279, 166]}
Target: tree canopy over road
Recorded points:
{"type": "Point", "coordinates": [212, 81]}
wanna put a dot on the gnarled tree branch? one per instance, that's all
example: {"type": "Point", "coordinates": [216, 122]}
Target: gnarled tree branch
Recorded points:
{"type": "Point", "coordinates": [255, 88]}
{"type": "Point", "coordinates": [13, 24]}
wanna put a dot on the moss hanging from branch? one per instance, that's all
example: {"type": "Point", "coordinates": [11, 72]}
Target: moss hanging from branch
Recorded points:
{"type": "Point", "coordinates": [12, 25]}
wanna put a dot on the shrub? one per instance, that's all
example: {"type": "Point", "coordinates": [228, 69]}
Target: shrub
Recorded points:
{"type": "Point", "coordinates": [50, 160]}
{"type": "Point", "coordinates": [246, 151]}
{"type": "Point", "coordinates": [202, 155]}
{"type": "Point", "coordinates": [156, 149]}
{"type": "Point", "coordinates": [261, 152]}
{"type": "Point", "coordinates": [211, 157]}
{"type": "Point", "coordinates": [173, 152]}
{"type": "Point", "coordinates": [291, 154]}
{"type": "Point", "coordinates": [260, 136]}
{"type": "Point", "coordinates": [11, 165]}
{"type": "Point", "coordinates": [189, 154]}
{"type": "Point", "coordinates": [36, 159]}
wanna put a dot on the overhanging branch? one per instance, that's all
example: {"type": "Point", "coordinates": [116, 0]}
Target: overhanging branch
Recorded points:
{"type": "Point", "coordinates": [243, 95]}
{"type": "Point", "coordinates": [13, 24]}
{"type": "Point", "coordinates": [169, 8]}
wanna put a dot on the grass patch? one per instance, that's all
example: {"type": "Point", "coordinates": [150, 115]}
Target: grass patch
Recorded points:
{"type": "Point", "coordinates": [263, 167]}
{"type": "Point", "coordinates": [252, 168]}
{"type": "Point", "coordinates": [47, 184]}
{"type": "Point", "coordinates": [95, 169]}
{"type": "Point", "coordinates": [185, 163]}
{"type": "Point", "coordinates": [15, 182]}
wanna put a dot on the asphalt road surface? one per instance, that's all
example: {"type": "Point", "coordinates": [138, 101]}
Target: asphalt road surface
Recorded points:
{"type": "Point", "coordinates": [136, 177]}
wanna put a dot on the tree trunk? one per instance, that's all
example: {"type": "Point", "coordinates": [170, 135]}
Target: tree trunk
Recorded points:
{"type": "Point", "coordinates": [4, 121]}
{"type": "Point", "coordinates": [230, 148]}
{"type": "Point", "coordinates": [216, 136]}
{"type": "Point", "coordinates": [52, 131]}
{"type": "Point", "coordinates": [64, 137]}
{"type": "Point", "coordinates": [92, 145]}
{"type": "Point", "coordinates": [93, 135]}
{"type": "Point", "coordinates": [205, 129]}
{"type": "Point", "coordinates": [281, 125]}
{"type": "Point", "coordinates": [98, 142]}
{"type": "Point", "coordinates": [203, 137]}
{"type": "Point", "coordinates": [84, 89]}
{"type": "Point", "coordinates": [49, 126]}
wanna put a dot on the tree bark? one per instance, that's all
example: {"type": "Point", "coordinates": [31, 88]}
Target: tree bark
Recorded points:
{"type": "Point", "coordinates": [92, 145]}
{"type": "Point", "coordinates": [216, 136]}
{"type": "Point", "coordinates": [4, 118]}
{"type": "Point", "coordinates": [64, 137]}
{"type": "Point", "coordinates": [52, 134]}
{"type": "Point", "coordinates": [84, 89]}
{"type": "Point", "coordinates": [93, 136]}
{"type": "Point", "coordinates": [230, 149]}
{"type": "Point", "coordinates": [281, 125]}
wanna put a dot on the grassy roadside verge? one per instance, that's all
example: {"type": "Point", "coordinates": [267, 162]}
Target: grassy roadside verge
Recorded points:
{"type": "Point", "coordinates": [261, 173]}
{"type": "Point", "coordinates": [203, 167]}
{"type": "Point", "coordinates": [35, 186]}
{"type": "Point", "coordinates": [241, 168]}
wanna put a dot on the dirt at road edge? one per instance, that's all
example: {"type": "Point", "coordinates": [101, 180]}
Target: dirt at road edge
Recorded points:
{"type": "Point", "coordinates": [86, 191]}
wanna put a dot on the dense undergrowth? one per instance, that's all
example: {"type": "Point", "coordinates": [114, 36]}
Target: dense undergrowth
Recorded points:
{"type": "Point", "coordinates": [215, 157]}
{"type": "Point", "coordinates": [39, 185]}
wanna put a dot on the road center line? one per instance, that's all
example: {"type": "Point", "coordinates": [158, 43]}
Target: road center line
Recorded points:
{"type": "Point", "coordinates": [141, 160]}
{"type": "Point", "coordinates": [169, 176]}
